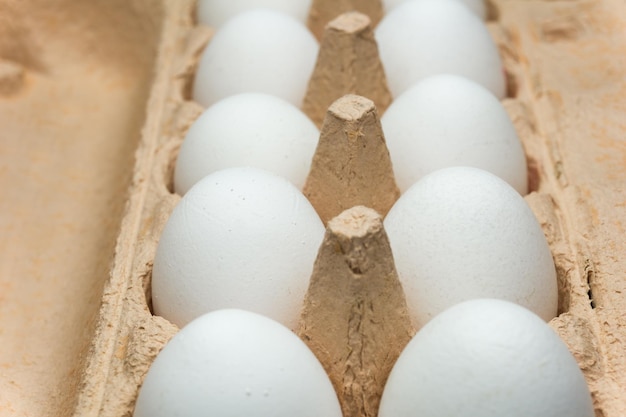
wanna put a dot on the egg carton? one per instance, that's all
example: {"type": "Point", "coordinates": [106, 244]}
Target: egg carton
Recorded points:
{"type": "Point", "coordinates": [566, 99]}
{"type": "Point", "coordinates": [545, 94]}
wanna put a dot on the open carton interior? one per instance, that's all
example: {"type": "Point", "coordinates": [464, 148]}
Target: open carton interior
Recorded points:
{"type": "Point", "coordinates": [85, 86]}
{"type": "Point", "coordinates": [74, 80]}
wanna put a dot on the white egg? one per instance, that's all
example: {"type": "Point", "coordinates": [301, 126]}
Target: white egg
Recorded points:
{"type": "Point", "coordinates": [240, 238]}
{"type": "Point", "coordinates": [487, 358]}
{"type": "Point", "coordinates": [447, 120]}
{"type": "Point", "coordinates": [477, 6]}
{"type": "Point", "coordinates": [257, 51]}
{"type": "Point", "coordinates": [428, 37]}
{"type": "Point", "coordinates": [249, 129]}
{"type": "Point", "coordinates": [462, 233]}
{"type": "Point", "coordinates": [236, 363]}
{"type": "Point", "coordinates": [215, 12]}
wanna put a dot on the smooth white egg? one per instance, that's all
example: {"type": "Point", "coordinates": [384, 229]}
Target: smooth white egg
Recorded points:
{"type": "Point", "coordinates": [477, 6]}
{"type": "Point", "coordinates": [236, 363]}
{"type": "Point", "coordinates": [215, 12]}
{"type": "Point", "coordinates": [249, 129]}
{"type": "Point", "coordinates": [257, 51]}
{"type": "Point", "coordinates": [487, 358]}
{"type": "Point", "coordinates": [240, 238]}
{"type": "Point", "coordinates": [462, 233]}
{"type": "Point", "coordinates": [447, 120]}
{"type": "Point", "coordinates": [427, 37]}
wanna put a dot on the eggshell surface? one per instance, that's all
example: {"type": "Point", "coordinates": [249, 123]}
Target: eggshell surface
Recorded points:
{"type": "Point", "coordinates": [236, 363]}
{"type": "Point", "coordinates": [462, 233]}
{"type": "Point", "coordinates": [487, 358]}
{"type": "Point", "coordinates": [249, 129]}
{"type": "Point", "coordinates": [257, 51]}
{"type": "Point", "coordinates": [421, 38]}
{"type": "Point", "coordinates": [240, 238]}
{"type": "Point", "coordinates": [476, 6]}
{"type": "Point", "coordinates": [215, 12]}
{"type": "Point", "coordinates": [447, 120]}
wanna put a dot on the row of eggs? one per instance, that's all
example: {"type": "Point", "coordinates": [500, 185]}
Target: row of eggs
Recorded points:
{"type": "Point", "coordinates": [268, 51]}
{"type": "Point", "coordinates": [482, 357]}
{"type": "Point", "coordinates": [215, 13]}
{"type": "Point", "coordinates": [258, 227]}
{"type": "Point", "coordinates": [247, 237]}
{"type": "Point", "coordinates": [459, 123]}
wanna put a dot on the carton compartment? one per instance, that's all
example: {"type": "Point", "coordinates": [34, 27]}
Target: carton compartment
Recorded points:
{"type": "Point", "coordinates": [74, 81]}
{"type": "Point", "coordinates": [566, 99]}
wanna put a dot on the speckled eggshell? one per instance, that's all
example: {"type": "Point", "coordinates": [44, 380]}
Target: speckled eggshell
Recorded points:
{"type": "Point", "coordinates": [422, 38]}
{"type": "Point", "coordinates": [488, 358]}
{"type": "Point", "coordinates": [240, 238]}
{"type": "Point", "coordinates": [477, 6]}
{"type": "Point", "coordinates": [215, 12]}
{"type": "Point", "coordinates": [257, 51]}
{"type": "Point", "coordinates": [462, 233]}
{"type": "Point", "coordinates": [447, 120]}
{"type": "Point", "coordinates": [249, 129]}
{"type": "Point", "coordinates": [236, 363]}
